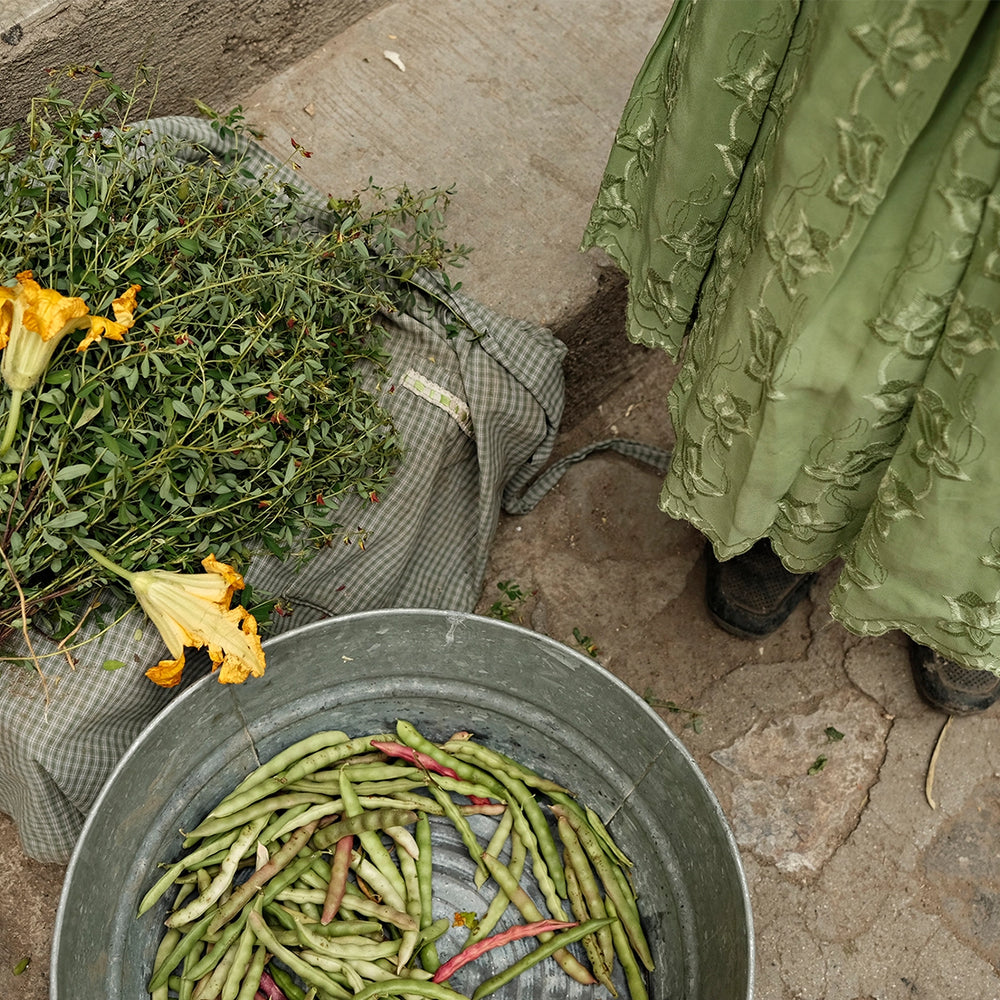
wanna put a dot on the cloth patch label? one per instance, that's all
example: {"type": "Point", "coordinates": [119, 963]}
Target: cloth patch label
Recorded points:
{"type": "Point", "coordinates": [440, 397]}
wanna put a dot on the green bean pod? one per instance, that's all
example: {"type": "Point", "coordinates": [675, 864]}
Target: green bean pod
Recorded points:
{"type": "Point", "coordinates": [240, 964]}
{"type": "Point", "coordinates": [344, 971]}
{"type": "Point", "coordinates": [540, 870]}
{"type": "Point", "coordinates": [164, 949]}
{"type": "Point", "coordinates": [305, 765]}
{"type": "Point", "coordinates": [462, 826]}
{"type": "Point", "coordinates": [348, 950]}
{"type": "Point", "coordinates": [189, 940]}
{"type": "Point", "coordinates": [251, 981]}
{"type": "Point", "coordinates": [167, 879]}
{"type": "Point", "coordinates": [369, 908]}
{"type": "Point", "coordinates": [587, 815]}
{"type": "Point", "coordinates": [273, 803]}
{"type": "Point", "coordinates": [524, 903]}
{"type": "Point", "coordinates": [369, 819]}
{"type": "Point", "coordinates": [242, 894]}
{"type": "Point", "coordinates": [494, 762]}
{"type": "Point", "coordinates": [289, 819]}
{"type": "Point", "coordinates": [409, 734]}
{"type": "Point", "coordinates": [616, 889]}
{"type": "Point", "coordinates": [309, 974]}
{"type": "Point", "coordinates": [413, 987]}
{"type": "Point", "coordinates": [277, 884]}
{"type": "Point", "coordinates": [285, 758]}
{"type": "Point", "coordinates": [462, 786]}
{"type": "Point", "coordinates": [377, 772]}
{"type": "Point", "coordinates": [543, 832]}
{"type": "Point", "coordinates": [501, 901]}
{"type": "Point", "coordinates": [371, 841]}
{"type": "Point", "coordinates": [599, 963]}
{"type": "Point", "coordinates": [544, 950]}
{"type": "Point", "coordinates": [222, 881]}
{"type": "Point", "coordinates": [634, 978]}
{"type": "Point", "coordinates": [590, 893]}
{"type": "Point", "coordinates": [211, 985]}
{"type": "Point", "coordinates": [286, 983]}
{"type": "Point", "coordinates": [497, 842]}
{"type": "Point", "coordinates": [425, 871]}
{"type": "Point", "coordinates": [410, 939]}
{"type": "Point", "coordinates": [216, 951]}
{"type": "Point", "coordinates": [377, 882]}
{"type": "Point", "coordinates": [185, 988]}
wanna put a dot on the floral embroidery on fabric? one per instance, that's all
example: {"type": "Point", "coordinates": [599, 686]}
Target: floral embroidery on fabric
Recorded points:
{"type": "Point", "coordinates": [973, 619]}
{"type": "Point", "coordinates": [805, 198]}
{"type": "Point", "coordinates": [861, 148]}
{"type": "Point", "coordinates": [904, 46]}
{"type": "Point", "coordinates": [798, 252]}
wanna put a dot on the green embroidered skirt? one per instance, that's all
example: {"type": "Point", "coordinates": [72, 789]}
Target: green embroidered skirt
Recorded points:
{"type": "Point", "coordinates": [804, 198]}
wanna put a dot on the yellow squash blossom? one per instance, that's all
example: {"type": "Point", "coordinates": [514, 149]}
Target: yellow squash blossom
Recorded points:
{"type": "Point", "coordinates": [32, 322]}
{"type": "Point", "coordinates": [34, 319]}
{"type": "Point", "coordinates": [192, 610]}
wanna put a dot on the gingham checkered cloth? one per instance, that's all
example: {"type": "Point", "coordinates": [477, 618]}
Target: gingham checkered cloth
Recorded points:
{"type": "Point", "coordinates": [477, 415]}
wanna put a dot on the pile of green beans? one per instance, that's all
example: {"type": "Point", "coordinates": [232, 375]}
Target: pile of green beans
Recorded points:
{"type": "Point", "coordinates": [337, 904]}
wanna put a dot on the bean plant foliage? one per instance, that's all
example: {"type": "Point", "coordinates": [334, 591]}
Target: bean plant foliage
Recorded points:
{"type": "Point", "coordinates": [231, 418]}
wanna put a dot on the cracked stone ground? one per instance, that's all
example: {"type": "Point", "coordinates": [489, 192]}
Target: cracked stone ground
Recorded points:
{"type": "Point", "coordinates": [813, 739]}
{"type": "Point", "coordinates": [860, 890]}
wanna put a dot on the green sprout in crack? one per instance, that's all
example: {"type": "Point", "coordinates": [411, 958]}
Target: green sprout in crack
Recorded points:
{"type": "Point", "coordinates": [695, 719]}
{"type": "Point", "coordinates": [588, 644]}
{"type": "Point", "coordinates": [506, 607]}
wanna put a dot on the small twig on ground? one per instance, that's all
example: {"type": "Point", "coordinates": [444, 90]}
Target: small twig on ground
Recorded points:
{"type": "Point", "coordinates": [929, 781]}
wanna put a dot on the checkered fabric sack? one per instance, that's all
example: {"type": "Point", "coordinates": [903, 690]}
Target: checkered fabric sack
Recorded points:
{"type": "Point", "coordinates": [477, 416]}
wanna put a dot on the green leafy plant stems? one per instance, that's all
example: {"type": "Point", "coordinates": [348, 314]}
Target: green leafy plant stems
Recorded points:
{"type": "Point", "coordinates": [232, 418]}
{"type": "Point", "coordinates": [216, 942]}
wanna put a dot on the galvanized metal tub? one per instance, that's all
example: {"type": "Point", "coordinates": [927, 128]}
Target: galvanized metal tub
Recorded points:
{"type": "Point", "coordinates": [549, 706]}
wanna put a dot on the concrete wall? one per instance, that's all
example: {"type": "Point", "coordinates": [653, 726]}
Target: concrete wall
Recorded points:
{"type": "Point", "coordinates": [213, 50]}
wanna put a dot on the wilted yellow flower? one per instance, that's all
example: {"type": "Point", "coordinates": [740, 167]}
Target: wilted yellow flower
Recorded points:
{"type": "Point", "coordinates": [124, 309]}
{"type": "Point", "coordinates": [33, 320]}
{"type": "Point", "coordinates": [192, 610]}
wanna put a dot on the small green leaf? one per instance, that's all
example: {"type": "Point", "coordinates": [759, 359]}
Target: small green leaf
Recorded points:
{"type": "Point", "coordinates": [112, 664]}
{"type": "Point", "coordinates": [818, 764]}
{"type": "Point", "coordinates": [86, 217]}
{"type": "Point", "coordinates": [67, 519]}
{"type": "Point", "coordinates": [72, 472]}
{"type": "Point", "coordinates": [833, 735]}
{"type": "Point", "coordinates": [87, 415]}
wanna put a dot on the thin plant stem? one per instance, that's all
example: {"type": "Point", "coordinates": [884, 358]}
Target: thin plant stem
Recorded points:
{"type": "Point", "coordinates": [25, 631]}
{"type": "Point", "coordinates": [13, 420]}
{"type": "Point", "coordinates": [112, 566]}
